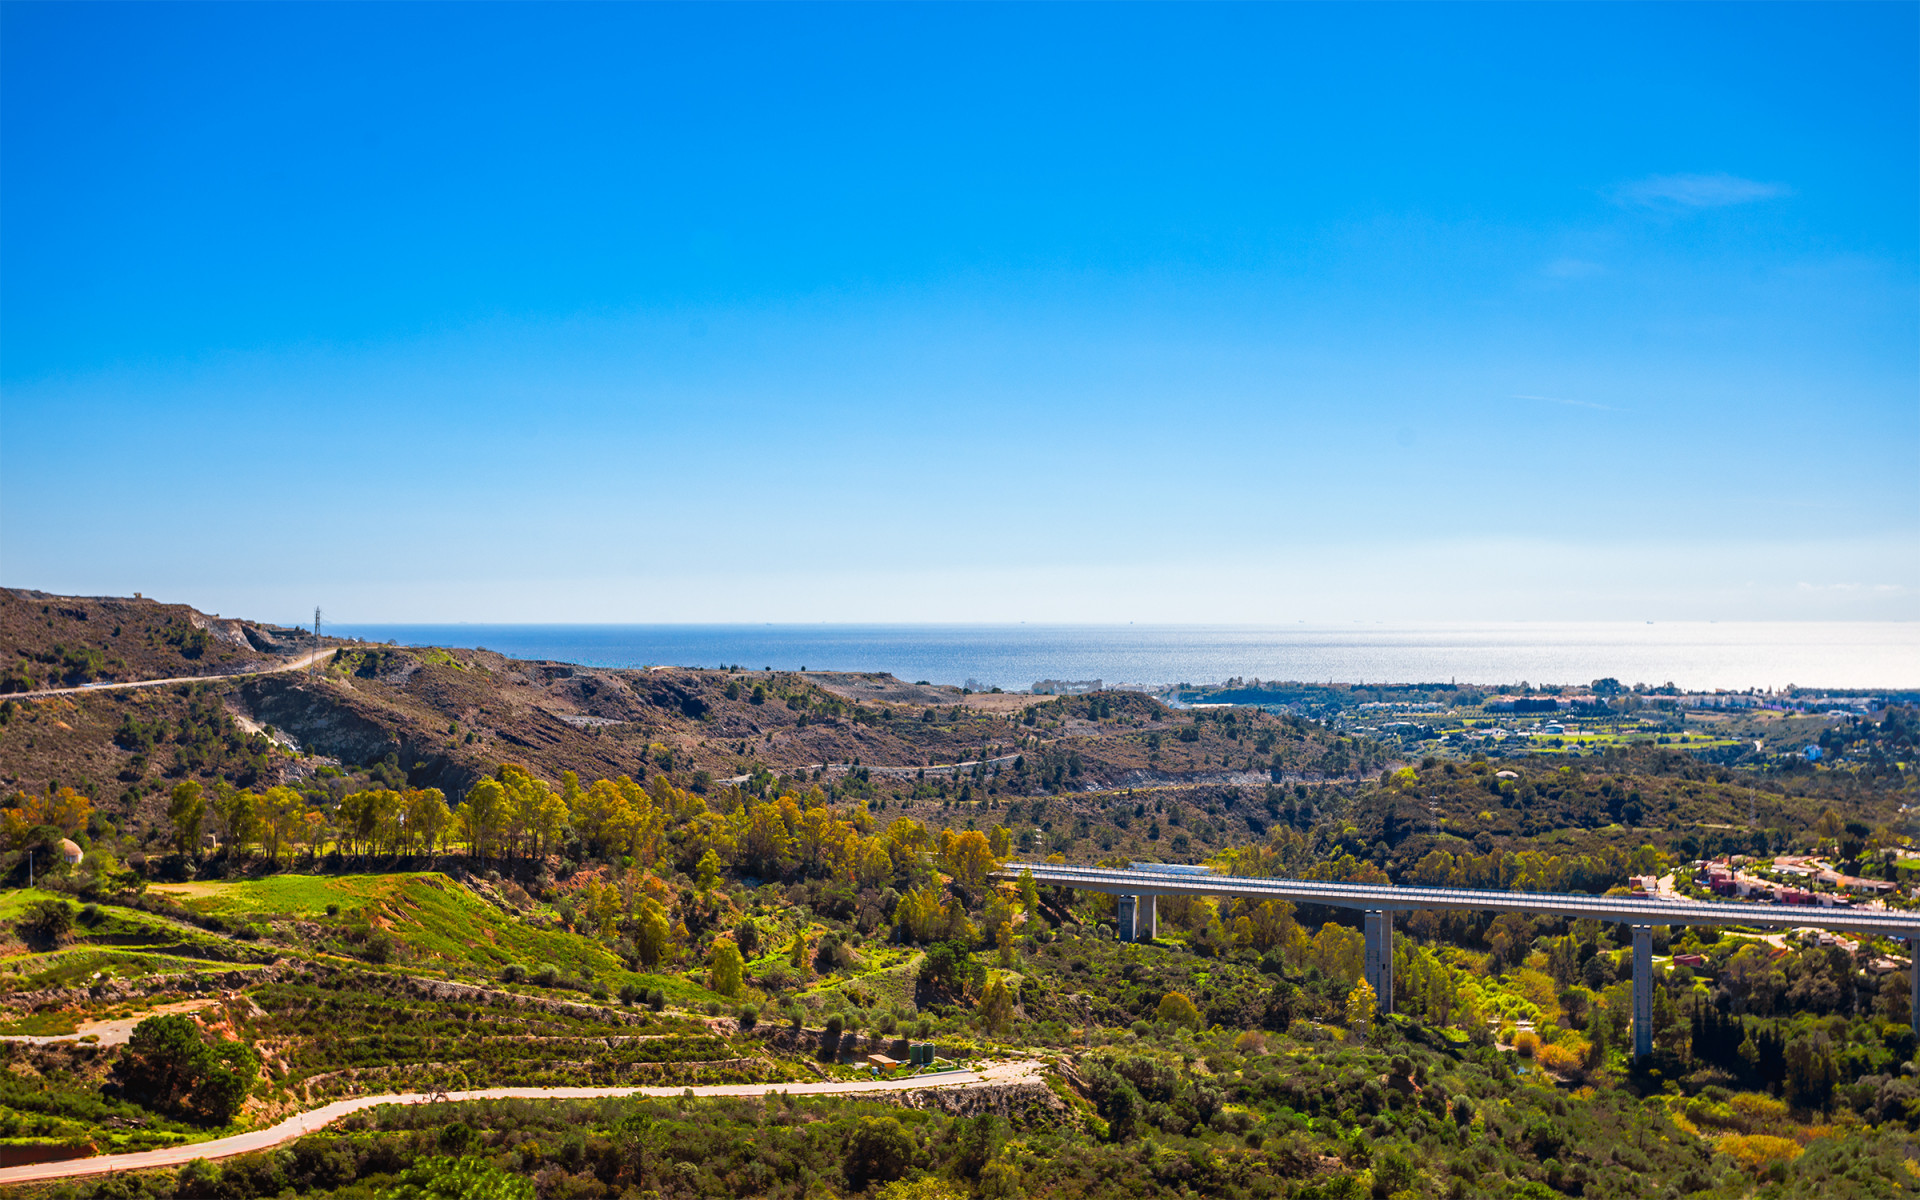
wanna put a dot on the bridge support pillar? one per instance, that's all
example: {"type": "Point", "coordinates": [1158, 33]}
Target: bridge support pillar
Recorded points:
{"type": "Point", "coordinates": [1379, 962]}
{"type": "Point", "coordinates": [1139, 918]}
{"type": "Point", "coordinates": [1642, 991]}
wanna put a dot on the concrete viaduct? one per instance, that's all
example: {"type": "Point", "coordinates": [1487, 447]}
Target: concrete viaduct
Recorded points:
{"type": "Point", "coordinates": [1139, 890]}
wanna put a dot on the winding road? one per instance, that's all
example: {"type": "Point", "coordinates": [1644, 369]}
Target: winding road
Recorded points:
{"type": "Point", "coordinates": [994, 1074]}
{"type": "Point", "coordinates": [295, 664]}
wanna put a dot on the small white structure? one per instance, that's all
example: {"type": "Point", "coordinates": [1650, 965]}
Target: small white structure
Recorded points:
{"type": "Point", "coordinates": [70, 851]}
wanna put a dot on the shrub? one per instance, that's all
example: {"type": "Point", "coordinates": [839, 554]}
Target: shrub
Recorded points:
{"type": "Point", "coordinates": [1177, 1009]}
{"type": "Point", "coordinates": [1567, 1057]}
{"type": "Point", "coordinates": [1526, 1043]}
{"type": "Point", "coordinates": [46, 923]}
{"type": "Point", "coordinates": [433, 1178]}
{"type": "Point", "coordinates": [748, 1016]}
{"type": "Point", "coordinates": [1758, 1151]}
{"type": "Point", "coordinates": [380, 946]}
{"type": "Point", "coordinates": [512, 973]}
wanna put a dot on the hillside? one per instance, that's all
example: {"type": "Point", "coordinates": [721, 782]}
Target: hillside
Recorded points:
{"type": "Point", "coordinates": [446, 717]}
{"type": "Point", "coordinates": [444, 869]}
{"type": "Point", "coordinates": [67, 641]}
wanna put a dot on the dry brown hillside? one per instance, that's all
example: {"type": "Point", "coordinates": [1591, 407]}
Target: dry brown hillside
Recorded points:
{"type": "Point", "coordinates": [54, 641]}
{"type": "Point", "coordinates": [444, 717]}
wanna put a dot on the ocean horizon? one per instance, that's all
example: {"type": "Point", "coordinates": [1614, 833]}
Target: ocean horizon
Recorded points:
{"type": "Point", "coordinates": [1732, 655]}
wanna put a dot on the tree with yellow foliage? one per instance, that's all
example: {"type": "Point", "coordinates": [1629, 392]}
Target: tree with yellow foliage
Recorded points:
{"type": "Point", "coordinates": [1339, 952]}
{"type": "Point", "coordinates": [724, 968]}
{"type": "Point", "coordinates": [968, 856]}
{"type": "Point", "coordinates": [1177, 1008]}
{"type": "Point", "coordinates": [63, 809]}
{"type": "Point", "coordinates": [1001, 842]}
{"type": "Point", "coordinates": [1362, 1003]}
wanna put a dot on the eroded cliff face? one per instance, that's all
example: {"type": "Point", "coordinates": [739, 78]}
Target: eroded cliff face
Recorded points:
{"type": "Point", "coordinates": [325, 718]}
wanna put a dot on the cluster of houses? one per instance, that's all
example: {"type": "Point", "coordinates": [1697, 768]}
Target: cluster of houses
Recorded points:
{"type": "Point", "coordinates": [1065, 687]}
{"type": "Point", "coordinates": [1814, 881]}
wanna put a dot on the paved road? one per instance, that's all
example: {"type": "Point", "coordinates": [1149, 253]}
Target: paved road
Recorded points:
{"type": "Point", "coordinates": [292, 665]}
{"type": "Point", "coordinates": [1026, 1071]}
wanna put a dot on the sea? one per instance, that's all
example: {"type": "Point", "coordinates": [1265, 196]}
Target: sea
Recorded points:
{"type": "Point", "coordinates": [1691, 655]}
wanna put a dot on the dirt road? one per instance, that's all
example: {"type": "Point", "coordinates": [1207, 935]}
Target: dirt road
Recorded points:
{"type": "Point", "coordinates": [1025, 1071]}
{"type": "Point", "coordinates": [115, 1032]}
{"type": "Point", "coordinates": [291, 665]}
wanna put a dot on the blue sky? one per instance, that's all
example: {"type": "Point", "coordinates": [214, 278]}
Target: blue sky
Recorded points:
{"type": "Point", "coordinates": [992, 313]}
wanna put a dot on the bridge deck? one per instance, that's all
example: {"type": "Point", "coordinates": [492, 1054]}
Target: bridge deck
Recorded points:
{"type": "Point", "coordinates": [1625, 909]}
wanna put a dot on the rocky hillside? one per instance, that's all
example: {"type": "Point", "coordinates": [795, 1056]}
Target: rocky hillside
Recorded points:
{"type": "Point", "coordinates": [444, 717]}
{"type": "Point", "coordinates": [51, 641]}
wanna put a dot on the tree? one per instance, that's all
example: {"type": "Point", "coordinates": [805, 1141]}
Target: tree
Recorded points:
{"type": "Point", "coordinates": [1176, 1008]}
{"type": "Point", "coordinates": [187, 810]}
{"type": "Point", "coordinates": [996, 1007]}
{"type": "Point", "coordinates": [724, 969]}
{"type": "Point", "coordinates": [427, 816]}
{"type": "Point", "coordinates": [651, 935]}
{"type": "Point", "coordinates": [1000, 841]}
{"type": "Point", "coordinates": [480, 815]}
{"type": "Point", "coordinates": [880, 1150]}
{"type": "Point", "coordinates": [169, 1067]}
{"type": "Point", "coordinates": [1339, 952]}
{"type": "Point", "coordinates": [968, 856]}
{"type": "Point", "coordinates": [240, 818]}
{"type": "Point", "coordinates": [949, 965]}
{"type": "Point", "coordinates": [1362, 1002]}
{"type": "Point", "coordinates": [281, 812]}
{"type": "Point", "coordinates": [709, 869]}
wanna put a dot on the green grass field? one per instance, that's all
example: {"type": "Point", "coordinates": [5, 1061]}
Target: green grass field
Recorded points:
{"type": "Point", "coordinates": [440, 922]}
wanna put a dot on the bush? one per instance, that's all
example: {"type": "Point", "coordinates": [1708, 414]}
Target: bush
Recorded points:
{"type": "Point", "coordinates": [380, 946]}
{"type": "Point", "coordinates": [748, 1016]}
{"type": "Point", "coordinates": [434, 1178]}
{"type": "Point", "coordinates": [1565, 1058]}
{"type": "Point", "coordinates": [512, 973]}
{"type": "Point", "coordinates": [1177, 1009]}
{"type": "Point", "coordinates": [46, 923]}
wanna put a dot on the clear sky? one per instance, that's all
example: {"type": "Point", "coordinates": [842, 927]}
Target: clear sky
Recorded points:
{"type": "Point", "coordinates": [975, 313]}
